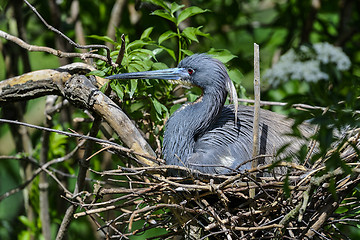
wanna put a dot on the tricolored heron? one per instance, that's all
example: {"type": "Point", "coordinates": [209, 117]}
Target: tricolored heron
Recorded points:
{"type": "Point", "coordinates": [202, 135]}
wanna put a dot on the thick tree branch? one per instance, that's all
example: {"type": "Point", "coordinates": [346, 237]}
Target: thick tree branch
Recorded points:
{"type": "Point", "coordinates": [81, 92]}
{"type": "Point", "coordinates": [40, 83]}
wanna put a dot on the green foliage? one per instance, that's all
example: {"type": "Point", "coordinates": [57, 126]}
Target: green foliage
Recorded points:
{"type": "Point", "coordinates": [147, 101]}
{"type": "Point", "coordinates": [329, 86]}
{"type": "Point", "coordinates": [34, 231]}
{"type": "Point", "coordinates": [304, 73]}
{"type": "Point", "coordinates": [162, 38]}
{"type": "Point", "coordinates": [3, 4]}
{"type": "Point", "coordinates": [187, 35]}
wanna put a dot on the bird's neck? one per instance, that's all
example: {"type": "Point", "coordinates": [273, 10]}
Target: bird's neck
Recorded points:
{"type": "Point", "coordinates": [205, 112]}
{"type": "Point", "coordinates": [189, 123]}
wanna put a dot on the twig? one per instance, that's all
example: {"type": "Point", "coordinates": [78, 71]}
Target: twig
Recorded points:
{"type": "Point", "coordinates": [131, 193]}
{"type": "Point", "coordinates": [217, 218]}
{"type": "Point", "coordinates": [256, 111]}
{"type": "Point", "coordinates": [80, 183]}
{"type": "Point", "coordinates": [213, 233]}
{"type": "Point", "coordinates": [149, 208]}
{"type": "Point", "coordinates": [58, 53]}
{"type": "Point", "coordinates": [43, 181]}
{"type": "Point", "coordinates": [108, 58]}
{"type": "Point", "coordinates": [166, 167]}
{"type": "Point", "coordinates": [257, 105]}
{"type": "Point", "coordinates": [41, 168]}
{"type": "Point", "coordinates": [101, 141]}
{"type": "Point", "coordinates": [185, 186]}
{"type": "Point", "coordinates": [299, 106]}
{"type": "Point", "coordinates": [164, 205]}
{"type": "Point", "coordinates": [329, 208]}
{"type": "Point", "coordinates": [247, 223]}
{"type": "Point", "coordinates": [122, 51]}
{"type": "Point", "coordinates": [258, 228]}
{"type": "Point", "coordinates": [99, 151]}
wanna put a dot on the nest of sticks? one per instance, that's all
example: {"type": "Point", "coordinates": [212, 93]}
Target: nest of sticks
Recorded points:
{"type": "Point", "coordinates": [253, 204]}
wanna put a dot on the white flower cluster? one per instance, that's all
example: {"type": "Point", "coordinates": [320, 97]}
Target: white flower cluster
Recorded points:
{"type": "Point", "coordinates": [305, 64]}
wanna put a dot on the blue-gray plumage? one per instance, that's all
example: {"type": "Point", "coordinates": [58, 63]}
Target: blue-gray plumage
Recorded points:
{"type": "Point", "coordinates": [202, 135]}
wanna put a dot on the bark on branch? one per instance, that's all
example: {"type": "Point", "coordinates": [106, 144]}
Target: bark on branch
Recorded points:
{"type": "Point", "coordinates": [80, 91]}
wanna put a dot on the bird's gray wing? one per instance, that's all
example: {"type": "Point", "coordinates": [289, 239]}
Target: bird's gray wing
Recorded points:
{"type": "Point", "coordinates": [230, 146]}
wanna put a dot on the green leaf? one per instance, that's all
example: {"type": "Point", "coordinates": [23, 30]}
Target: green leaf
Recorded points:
{"type": "Point", "coordinates": [140, 66]}
{"type": "Point", "coordinates": [187, 52]}
{"type": "Point", "coordinates": [146, 33]}
{"type": "Point", "coordinates": [141, 54]}
{"type": "Point", "coordinates": [136, 106]}
{"type": "Point", "coordinates": [118, 89]}
{"type": "Point", "coordinates": [174, 108]}
{"type": "Point", "coordinates": [188, 12]}
{"type": "Point", "coordinates": [190, 33]}
{"type": "Point", "coordinates": [166, 35]}
{"type": "Point", "coordinates": [286, 186]}
{"type": "Point", "coordinates": [174, 7]}
{"type": "Point", "coordinates": [160, 3]}
{"type": "Point", "coordinates": [159, 65]}
{"type": "Point", "coordinates": [114, 54]}
{"type": "Point", "coordinates": [236, 75]}
{"type": "Point", "coordinates": [136, 44]}
{"type": "Point", "coordinates": [137, 67]}
{"type": "Point", "coordinates": [157, 105]}
{"type": "Point", "coordinates": [3, 4]}
{"type": "Point", "coordinates": [24, 220]}
{"type": "Point", "coordinates": [156, 51]}
{"type": "Point", "coordinates": [97, 73]}
{"type": "Point", "coordinates": [170, 52]}
{"type": "Point", "coordinates": [165, 15]}
{"type": "Point", "coordinates": [132, 68]}
{"type": "Point", "coordinates": [200, 33]}
{"type": "Point", "coordinates": [192, 97]}
{"type": "Point", "coordinates": [24, 235]}
{"type": "Point", "coordinates": [58, 143]}
{"type": "Point", "coordinates": [103, 87]}
{"type": "Point", "coordinates": [221, 54]}
{"type": "Point", "coordinates": [133, 87]}
{"type": "Point", "coordinates": [103, 38]}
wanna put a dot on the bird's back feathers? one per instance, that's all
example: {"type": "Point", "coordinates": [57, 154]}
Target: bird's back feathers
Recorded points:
{"type": "Point", "coordinates": [224, 147]}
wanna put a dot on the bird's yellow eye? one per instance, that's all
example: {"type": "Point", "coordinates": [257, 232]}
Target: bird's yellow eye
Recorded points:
{"type": "Point", "coordinates": [190, 71]}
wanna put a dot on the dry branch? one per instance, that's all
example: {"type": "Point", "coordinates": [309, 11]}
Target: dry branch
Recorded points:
{"type": "Point", "coordinates": [108, 58]}
{"type": "Point", "coordinates": [80, 91]}
{"type": "Point", "coordinates": [268, 215]}
{"type": "Point", "coordinates": [256, 141]}
{"type": "Point", "coordinates": [257, 105]}
{"type": "Point", "coordinates": [218, 205]}
{"type": "Point", "coordinates": [298, 106]}
{"type": "Point", "coordinates": [58, 53]}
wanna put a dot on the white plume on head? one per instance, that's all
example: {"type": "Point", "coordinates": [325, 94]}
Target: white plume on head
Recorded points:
{"type": "Point", "coordinates": [233, 96]}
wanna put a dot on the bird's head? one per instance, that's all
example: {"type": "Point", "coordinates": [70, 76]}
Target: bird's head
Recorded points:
{"type": "Point", "coordinates": [205, 72]}
{"type": "Point", "coordinates": [199, 70]}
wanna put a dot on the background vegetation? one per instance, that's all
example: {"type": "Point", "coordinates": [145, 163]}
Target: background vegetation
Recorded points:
{"type": "Point", "coordinates": [158, 34]}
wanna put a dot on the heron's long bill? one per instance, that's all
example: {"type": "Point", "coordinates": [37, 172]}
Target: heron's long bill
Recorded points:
{"type": "Point", "coordinates": [174, 74]}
